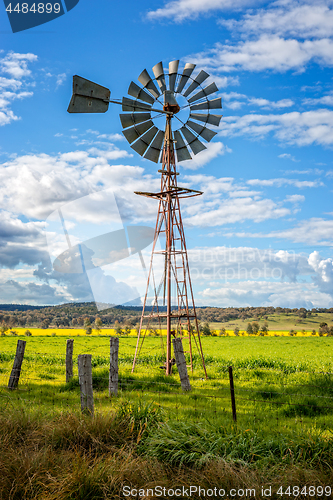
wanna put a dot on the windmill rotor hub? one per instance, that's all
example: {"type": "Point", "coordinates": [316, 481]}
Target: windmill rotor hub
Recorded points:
{"type": "Point", "coordinates": [171, 108]}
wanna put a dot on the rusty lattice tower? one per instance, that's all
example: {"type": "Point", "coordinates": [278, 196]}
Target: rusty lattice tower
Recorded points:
{"type": "Point", "coordinates": [172, 305]}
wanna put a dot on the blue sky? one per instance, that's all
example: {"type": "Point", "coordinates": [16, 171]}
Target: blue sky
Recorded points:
{"type": "Point", "coordinates": [262, 232]}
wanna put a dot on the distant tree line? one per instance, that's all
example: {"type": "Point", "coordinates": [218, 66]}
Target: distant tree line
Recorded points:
{"type": "Point", "coordinates": [85, 315]}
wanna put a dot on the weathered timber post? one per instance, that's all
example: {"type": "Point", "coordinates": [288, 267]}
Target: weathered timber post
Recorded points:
{"type": "Point", "coordinates": [16, 370]}
{"type": "Point", "coordinates": [85, 380]}
{"type": "Point", "coordinates": [69, 359]}
{"type": "Point", "coordinates": [113, 375]}
{"type": "Point", "coordinates": [232, 392]}
{"type": "Point", "coordinates": [181, 364]}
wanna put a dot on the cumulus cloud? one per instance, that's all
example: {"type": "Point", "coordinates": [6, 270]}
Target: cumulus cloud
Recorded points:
{"type": "Point", "coordinates": [35, 185]}
{"type": "Point", "coordinates": [288, 156]}
{"type": "Point", "coordinates": [179, 10]}
{"type": "Point", "coordinates": [268, 52]}
{"type": "Point", "coordinates": [247, 276]}
{"type": "Point", "coordinates": [252, 293]}
{"type": "Point", "coordinates": [326, 100]}
{"type": "Point", "coordinates": [314, 231]}
{"type": "Point", "coordinates": [16, 65]}
{"type": "Point", "coordinates": [304, 19]}
{"type": "Point", "coordinates": [323, 268]}
{"type": "Point", "coordinates": [214, 149]}
{"type": "Point", "coordinates": [234, 100]}
{"type": "Point", "coordinates": [284, 182]}
{"type": "Point", "coordinates": [302, 129]}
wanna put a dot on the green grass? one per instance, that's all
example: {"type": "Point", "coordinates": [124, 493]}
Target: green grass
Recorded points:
{"type": "Point", "coordinates": [284, 400]}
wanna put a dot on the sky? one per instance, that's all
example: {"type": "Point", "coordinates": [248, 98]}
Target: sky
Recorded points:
{"type": "Point", "coordinates": [262, 232]}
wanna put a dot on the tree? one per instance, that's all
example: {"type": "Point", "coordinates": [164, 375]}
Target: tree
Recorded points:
{"type": "Point", "coordinates": [236, 331]}
{"type": "Point", "coordinates": [249, 329]}
{"type": "Point", "coordinates": [98, 323]}
{"type": "Point", "coordinates": [222, 331]}
{"type": "Point", "coordinates": [87, 326]}
{"type": "Point", "coordinates": [264, 329]}
{"type": "Point", "coordinates": [118, 330]}
{"type": "Point", "coordinates": [255, 327]}
{"type": "Point", "coordinates": [206, 330]}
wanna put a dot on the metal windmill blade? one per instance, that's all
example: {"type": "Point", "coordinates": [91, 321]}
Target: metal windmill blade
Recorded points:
{"type": "Point", "coordinates": [138, 122]}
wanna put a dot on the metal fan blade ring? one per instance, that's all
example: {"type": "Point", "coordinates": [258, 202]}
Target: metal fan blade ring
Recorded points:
{"type": "Point", "coordinates": [207, 118]}
{"type": "Point", "coordinates": [133, 133]}
{"type": "Point", "coordinates": [188, 70]}
{"type": "Point", "coordinates": [159, 75]}
{"type": "Point", "coordinates": [192, 140]}
{"type": "Point", "coordinates": [147, 82]}
{"type": "Point", "coordinates": [135, 91]}
{"type": "Point", "coordinates": [173, 69]}
{"type": "Point", "coordinates": [143, 142]}
{"type": "Point", "coordinates": [154, 150]}
{"type": "Point", "coordinates": [203, 131]}
{"type": "Point", "coordinates": [213, 104]}
{"type": "Point", "coordinates": [202, 76]}
{"type": "Point", "coordinates": [210, 89]}
{"type": "Point", "coordinates": [129, 120]}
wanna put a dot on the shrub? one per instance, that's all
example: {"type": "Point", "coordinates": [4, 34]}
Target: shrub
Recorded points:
{"type": "Point", "coordinates": [13, 333]}
{"type": "Point", "coordinates": [28, 333]}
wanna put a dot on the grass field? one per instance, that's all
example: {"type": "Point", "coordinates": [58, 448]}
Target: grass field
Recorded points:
{"type": "Point", "coordinates": [284, 400]}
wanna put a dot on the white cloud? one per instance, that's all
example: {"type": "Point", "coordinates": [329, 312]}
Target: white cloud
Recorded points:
{"type": "Point", "coordinates": [60, 79]}
{"type": "Point", "coordinates": [284, 182]}
{"type": "Point", "coordinates": [326, 100]}
{"type": "Point", "coordinates": [179, 10]}
{"type": "Point", "coordinates": [314, 232]}
{"type": "Point", "coordinates": [16, 65]}
{"type": "Point", "coordinates": [235, 210]}
{"type": "Point", "coordinates": [267, 53]}
{"type": "Point", "coordinates": [265, 103]}
{"type": "Point", "coordinates": [288, 156]}
{"type": "Point", "coordinates": [253, 293]}
{"type": "Point", "coordinates": [11, 88]}
{"type": "Point", "coordinates": [35, 185]}
{"type": "Point", "coordinates": [310, 127]}
{"type": "Point", "coordinates": [214, 149]}
{"type": "Point", "coordinates": [295, 198]}
{"type": "Point", "coordinates": [324, 272]}
{"type": "Point", "coordinates": [304, 19]}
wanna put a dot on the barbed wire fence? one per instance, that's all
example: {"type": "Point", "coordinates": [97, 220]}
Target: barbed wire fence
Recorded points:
{"type": "Point", "coordinates": [41, 381]}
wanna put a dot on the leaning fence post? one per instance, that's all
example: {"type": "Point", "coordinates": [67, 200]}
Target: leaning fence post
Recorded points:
{"type": "Point", "coordinates": [181, 364]}
{"type": "Point", "coordinates": [69, 359]}
{"type": "Point", "coordinates": [16, 370]}
{"type": "Point", "coordinates": [232, 392]}
{"type": "Point", "coordinates": [85, 380]}
{"type": "Point", "coordinates": [113, 375]}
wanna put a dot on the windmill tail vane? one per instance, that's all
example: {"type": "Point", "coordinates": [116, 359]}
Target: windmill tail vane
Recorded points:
{"type": "Point", "coordinates": [164, 95]}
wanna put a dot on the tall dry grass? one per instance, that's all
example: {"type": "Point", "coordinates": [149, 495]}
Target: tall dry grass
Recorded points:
{"type": "Point", "coordinates": [74, 457]}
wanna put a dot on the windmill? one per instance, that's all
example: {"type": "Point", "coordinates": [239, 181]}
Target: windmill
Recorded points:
{"type": "Point", "coordinates": [167, 95]}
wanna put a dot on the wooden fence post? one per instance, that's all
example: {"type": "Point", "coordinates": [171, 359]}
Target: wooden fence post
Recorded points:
{"type": "Point", "coordinates": [181, 364]}
{"type": "Point", "coordinates": [232, 392]}
{"type": "Point", "coordinates": [69, 359]}
{"type": "Point", "coordinates": [113, 375]}
{"type": "Point", "coordinates": [85, 380]}
{"type": "Point", "coordinates": [16, 370]}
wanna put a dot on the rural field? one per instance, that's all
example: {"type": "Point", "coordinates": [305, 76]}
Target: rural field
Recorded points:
{"type": "Point", "coordinates": [153, 433]}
